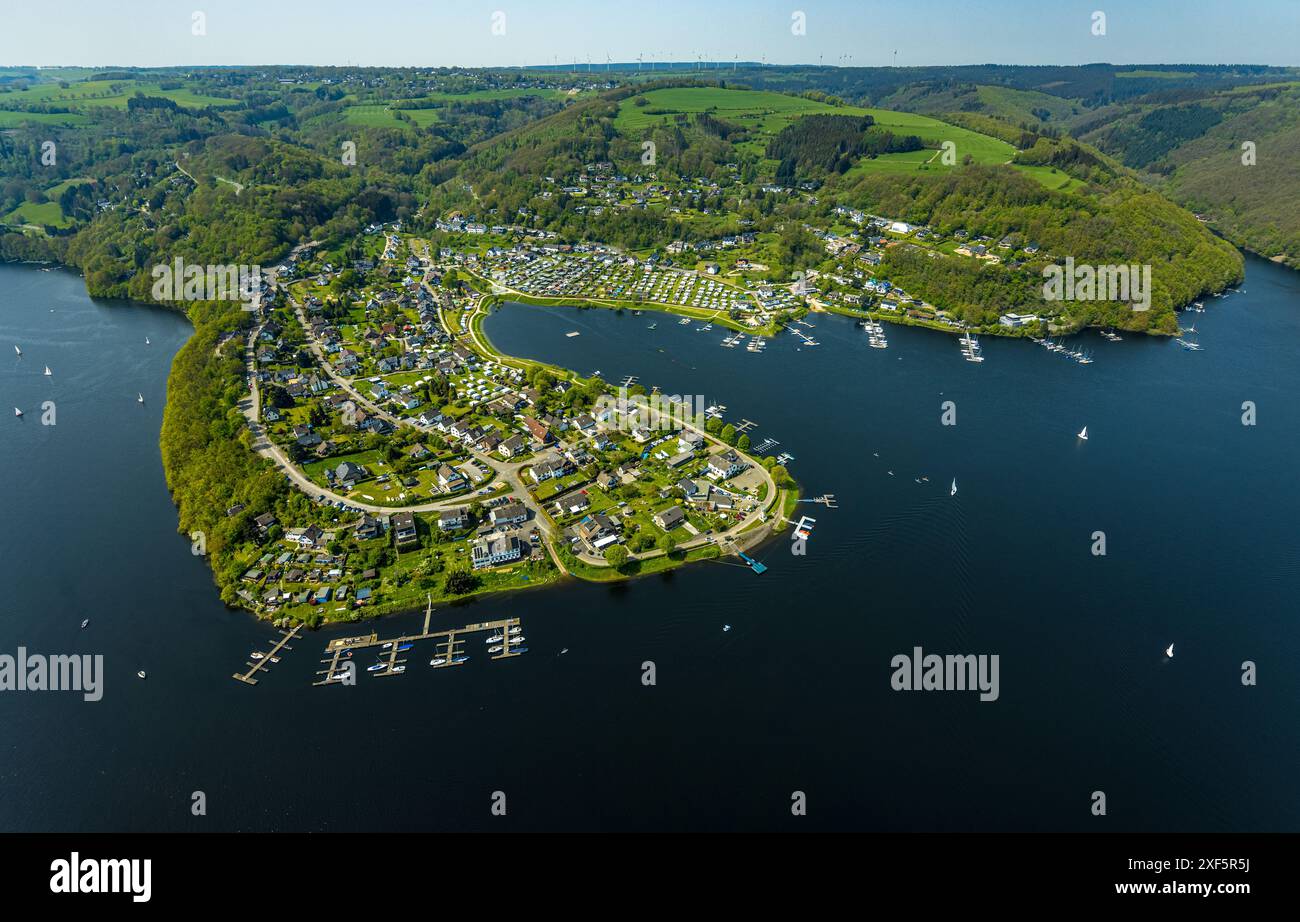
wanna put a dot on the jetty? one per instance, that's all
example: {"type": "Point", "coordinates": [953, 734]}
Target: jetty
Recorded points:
{"type": "Point", "coordinates": [827, 500]}
{"type": "Point", "coordinates": [263, 662]}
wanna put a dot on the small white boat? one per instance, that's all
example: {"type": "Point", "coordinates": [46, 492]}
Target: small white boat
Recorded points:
{"type": "Point", "coordinates": [146, 340]}
{"type": "Point", "coordinates": [1083, 433]}
{"type": "Point", "coordinates": [257, 655]}
{"type": "Point", "coordinates": [953, 490]}
{"type": "Point", "coordinates": [495, 638]}
{"type": "Point", "coordinates": [17, 350]}
{"type": "Point", "coordinates": [495, 649]}
{"type": "Point", "coordinates": [139, 398]}
{"type": "Point", "coordinates": [47, 371]}
{"type": "Point", "coordinates": [84, 623]}
{"type": "Point", "coordinates": [725, 628]}
{"type": "Point", "coordinates": [1169, 651]}
{"type": "Point", "coordinates": [564, 651]}
{"type": "Point", "coordinates": [438, 661]}
{"type": "Point", "coordinates": [398, 669]}
{"type": "Point", "coordinates": [140, 673]}
{"type": "Point", "coordinates": [17, 412]}
{"type": "Point", "coordinates": [515, 640]}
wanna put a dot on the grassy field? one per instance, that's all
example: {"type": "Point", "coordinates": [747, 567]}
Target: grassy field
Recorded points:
{"type": "Point", "coordinates": [767, 113]}
{"type": "Point", "coordinates": [114, 93]}
{"type": "Point", "coordinates": [1050, 177]}
{"type": "Point", "coordinates": [932, 132]}
{"type": "Point", "coordinates": [756, 110]}
{"type": "Point", "coordinates": [1019, 105]}
{"type": "Point", "coordinates": [383, 115]}
{"type": "Point", "coordinates": [12, 119]}
{"type": "Point", "coordinates": [377, 116]}
{"type": "Point", "coordinates": [45, 212]}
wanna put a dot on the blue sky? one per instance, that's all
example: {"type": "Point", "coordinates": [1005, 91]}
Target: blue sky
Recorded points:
{"type": "Point", "coordinates": [435, 32]}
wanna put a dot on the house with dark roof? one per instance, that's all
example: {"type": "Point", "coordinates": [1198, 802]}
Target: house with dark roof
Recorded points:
{"type": "Point", "coordinates": [404, 530]}
{"type": "Point", "coordinates": [670, 518]}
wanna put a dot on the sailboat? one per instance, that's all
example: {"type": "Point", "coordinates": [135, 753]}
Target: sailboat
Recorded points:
{"type": "Point", "coordinates": [84, 623]}
{"type": "Point", "coordinates": [953, 491]}
{"type": "Point", "coordinates": [1083, 433]}
{"type": "Point", "coordinates": [1169, 651]}
{"type": "Point", "coordinates": [146, 340]}
{"type": "Point", "coordinates": [17, 412]}
{"type": "Point", "coordinates": [139, 398]}
{"type": "Point", "coordinates": [47, 371]}
{"type": "Point", "coordinates": [19, 351]}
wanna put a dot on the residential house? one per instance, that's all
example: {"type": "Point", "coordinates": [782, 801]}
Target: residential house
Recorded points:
{"type": "Point", "coordinates": [452, 519]}
{"type": "Point", "coordinates": [509, 514]}
{"type": "Point", "coordinates": [404, 530]}
{"type": "Point", "coordinates": [670, 518]}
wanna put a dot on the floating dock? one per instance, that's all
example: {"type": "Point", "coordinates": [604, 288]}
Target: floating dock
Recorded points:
{"type": "Point", "coordinates": [255, 665]}
{"type": "Point", "coordinates": [448, 647]}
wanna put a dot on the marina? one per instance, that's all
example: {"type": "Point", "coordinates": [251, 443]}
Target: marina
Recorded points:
{"type": "Point", "coordinates": [448, 644]}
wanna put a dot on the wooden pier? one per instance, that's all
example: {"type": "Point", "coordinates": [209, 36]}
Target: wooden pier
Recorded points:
{"type": "Point", "coordinates": [255, 665]}
{"type": "Point", "coordinates": [449, 646]}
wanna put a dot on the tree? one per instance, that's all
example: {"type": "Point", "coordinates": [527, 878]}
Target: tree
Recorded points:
{"type": "Point", "coordinates": [616, 556]}
{"type": "Point", "coordinates": [728, 434]}
{"type": "Point", "coordinates": [743, 442]}
{"type": "Point", "coordinates": [459, 581]}
{"type": "Point", "coordinates": [666, 543]}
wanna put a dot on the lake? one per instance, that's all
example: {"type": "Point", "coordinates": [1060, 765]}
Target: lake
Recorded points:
{"type": "Point", "coordinates": [1198, 512]}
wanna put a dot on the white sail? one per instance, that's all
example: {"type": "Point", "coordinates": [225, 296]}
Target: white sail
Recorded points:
{"type": "Point", "coordinates": [954, 487]}
{"type": "Point", "coordinates": [47, 371]}
{"type": "Point", "coordinates": [1083, 433]}
{"type": "Point", "coordinates": [19, 351]}
{"type": "Point", "coordinates": [17, 412]}
{"type": "Point", "coordinates": [1169, 651]}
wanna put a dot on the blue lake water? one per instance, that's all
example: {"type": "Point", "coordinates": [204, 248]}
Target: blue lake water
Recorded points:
{"type": "Point", "coordinates": [1199, 513]}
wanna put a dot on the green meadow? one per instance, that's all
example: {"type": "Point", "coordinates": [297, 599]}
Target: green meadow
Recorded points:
{"type": "Point", "coordinates": [114, 93]}
{"type": "Point", "coordinates": [767, 113]}
{"type": "Point", "coordinates": [44, 212]}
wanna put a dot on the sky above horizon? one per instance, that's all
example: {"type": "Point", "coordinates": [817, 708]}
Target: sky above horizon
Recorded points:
{"type": "Point", "coordinates": [498, 33]}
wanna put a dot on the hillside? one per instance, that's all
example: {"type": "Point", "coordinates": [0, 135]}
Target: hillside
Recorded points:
{"type": "Point", "coordinates": [1189, 145]}
{"type": "Point", "coordinates": [785, 171]}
